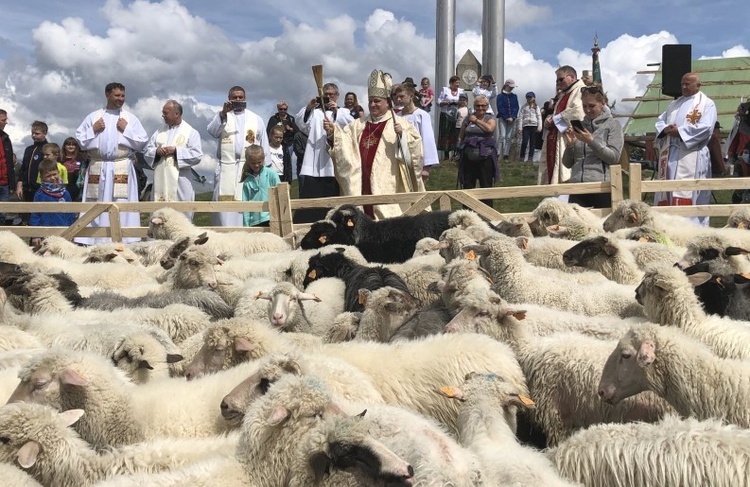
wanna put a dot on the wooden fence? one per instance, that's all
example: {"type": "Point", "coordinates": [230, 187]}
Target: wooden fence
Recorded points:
{"type": "Point", "coordinates": [280, 205]}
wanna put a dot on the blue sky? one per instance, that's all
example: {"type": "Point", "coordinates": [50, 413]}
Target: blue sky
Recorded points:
{"type": "Point", "coordinates": [55, 58]}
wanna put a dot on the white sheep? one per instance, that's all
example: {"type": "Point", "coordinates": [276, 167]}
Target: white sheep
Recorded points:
{"type": "Point", "coordinates": [344, 327]}
{"type": "Point", "coordinates": [226, 472]}
{"type": "Point", "coordinates": [546, 252]}
{"type": "Point", "coordinates": [426, 246]}
{"type": "Point", "coordinates": [571, 359]}
{"type": "Point", "coordinates": [297, 417]}
{"type": "Point", "coordinates": [386, 309]}
{"type": "Point", "coordinates": [342, 379]}
{"type": "Point", "coordinates": [323, 301]}
{"type": "Point", "coordinates": [715, 247]}
{"type": "Point", "coordinates": [142, 357]}
{"type": "Point", "coordinates": [403, 372]}
{"type": "Point", "coordinates": [119, 412]}
{"type": "Point", "coordinates": [169, 224]}
{"type": "Point", "coordinates": [517, 281]}
{"type": "Point", "coordinates": [12, 338]}
{"type": "Point", "coordinates": [16, 477]}
{"type": "Point", "coordinates": [550, 211]}
{"type": "Point", "coordinates": [41, 442]}
{"type": "Point", "coordinates": [485, 401]}
{"type": "Point", "coordinates": [668, 298]}
{"type": "Point", "coordinates": [739, 218]}
{"type": "Point", "coordinates": [674, 452]}
{"type": "Point", "coordinates": [681, 370]}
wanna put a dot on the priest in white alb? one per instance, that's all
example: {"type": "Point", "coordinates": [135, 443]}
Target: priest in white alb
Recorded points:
{"type": "Point", "coordinates": [235, 126]}
{"type": "Point", "coordinates": [378, 154]}
{"type": "Point", "coordinates": [171, 152]}
{"type": "Point", "coordinates": [683, 132]}
{"type": "Point", "coordinates": [111, 135]}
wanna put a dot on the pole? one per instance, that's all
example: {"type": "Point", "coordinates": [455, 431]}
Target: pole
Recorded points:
{"type": "Point", "coordinates": [493, 39]}
{"type": "Point", "coordinates": [445, 52]}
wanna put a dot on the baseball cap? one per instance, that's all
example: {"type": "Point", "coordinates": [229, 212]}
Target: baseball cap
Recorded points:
{"type": "Point", "coordinates": [530, 94]}
{"type": "Point", "coordinates": [510, 82]}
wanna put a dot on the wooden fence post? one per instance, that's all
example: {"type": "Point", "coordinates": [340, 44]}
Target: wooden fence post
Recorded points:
{"type": "Point", "coordinates": [115, 228]}
{"type": "Point", "coordinates": [635, 182]}
{"type": "Point", "coordinates": [616, 184]}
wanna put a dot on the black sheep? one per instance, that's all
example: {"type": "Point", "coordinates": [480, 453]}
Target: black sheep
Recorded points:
{"type": "Point", "coordinates": [324, 233]}
{"type": "Point", "coordinates": [355, 277]}
{"type": "Point", "coordinates": [390, 240]}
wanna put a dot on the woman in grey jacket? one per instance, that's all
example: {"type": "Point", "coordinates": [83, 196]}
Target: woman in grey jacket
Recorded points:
{"type": "Point", "coordinates": [593, 147]}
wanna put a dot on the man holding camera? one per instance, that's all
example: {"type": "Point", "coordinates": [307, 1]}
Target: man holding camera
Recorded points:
{"type": "Point", "coordinates": [317, 178]}
{"type": "Point", "coordinates": [234, 126]}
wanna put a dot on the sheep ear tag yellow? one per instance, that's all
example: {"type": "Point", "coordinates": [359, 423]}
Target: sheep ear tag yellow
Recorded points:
{"type": "Point", "coordinates": [448, 391]}
{"type": "Point", "coordinates": [312, 274]}
{"type": "Point", "coordinates": [471, 255]}
{"type": "Point", "coordinates": [322, 239]}
{"type": "Point", "coordinates": [349, 222]}
{"type": "Point", "coordinates": [526, 400]}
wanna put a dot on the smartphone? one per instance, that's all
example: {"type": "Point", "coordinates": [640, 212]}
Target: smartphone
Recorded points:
{"type": "Point", "coordinates": [577, 124]}
{"type": "Point", "coordinates": [239, 105]}
{"type": "Point", "coordinates": [325, 102]}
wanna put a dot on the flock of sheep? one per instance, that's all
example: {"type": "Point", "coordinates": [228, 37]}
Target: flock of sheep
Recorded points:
{"type": "Point", "coordinates": [437, 350]}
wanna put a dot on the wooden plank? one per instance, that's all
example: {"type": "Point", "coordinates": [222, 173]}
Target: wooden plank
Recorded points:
{"type": "Point", "coordinates": [115, 228]}
{"type": "Point", "coordinates": [445, 203]}
{"type": "Point", "coordinates": [274, 226]}
{"type": "Point", "coordinates": [474, 204]}
{"type": "Point", "coordinates": [695, 184]}
{"type": "Point", "coordinates": [420, 205]}
{"type": "Point", "coordinates": [84, 220]}
{"type": "Point", "coordinates": [285, 209]}
{"type": "Point", "coordinates": [616, 186]}
{"type": "Point", "coordinates": [636, 180]}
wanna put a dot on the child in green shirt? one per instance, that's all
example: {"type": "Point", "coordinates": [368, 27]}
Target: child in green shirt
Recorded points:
{"type": "Point", "coordinates": [256, 179]}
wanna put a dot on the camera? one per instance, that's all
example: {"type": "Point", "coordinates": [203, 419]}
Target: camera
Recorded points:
{"type": "Point", "coordinates": [239, 105]}
{"type": "Point", "coordinates": [325, 102]}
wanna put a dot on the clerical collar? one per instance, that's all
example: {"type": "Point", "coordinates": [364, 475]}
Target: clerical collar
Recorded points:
{"type": "Point", "coordinates": [378, 119]}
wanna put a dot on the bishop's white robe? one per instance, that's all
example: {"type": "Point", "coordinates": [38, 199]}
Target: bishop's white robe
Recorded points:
{"type": "Point", "coordinates": [107, 149]}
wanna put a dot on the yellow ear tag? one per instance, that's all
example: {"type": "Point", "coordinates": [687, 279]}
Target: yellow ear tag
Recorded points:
{"type": "Point", "coordinates": [448, 391]}
{"type": "Point", "coordinates": [524, 244]}
{"type": "Point", "coordinates": [322, 239]}
{"type": "Point", "coordinates": [361, 299]}
{"type": "Point", "coordinates": [349, 223]}
{"type": "Point", "coordinates": [471, 255]}
{"type": "Point", "coordinates": [526, 401]}
{"type": "Point", "coordinates": [643, 239]}
{"type": "Point", "coordinates": [312, 274]}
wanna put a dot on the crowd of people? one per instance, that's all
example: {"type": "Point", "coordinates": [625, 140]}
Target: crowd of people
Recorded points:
{"type": "Point", "coordinates": [346, 150]}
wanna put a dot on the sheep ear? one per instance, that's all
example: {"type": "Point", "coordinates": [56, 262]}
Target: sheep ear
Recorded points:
{"type": "Point", "coordinates": [242, 344]}
{"type": "Point", "coordinates": [263, 295]}
{"type": "Point", "coordinates": [157, 220]}
{"type": "Point", "coordinates": [363, 295]}
{"type": "Point", "coordinates": [71, 416]}
{"type": "Point", "coordinates": [741, 278]}
{"type": "Point", "coordinates": [308, 297]}
{"type": "Point", "coordinates": [522, 242]}
{"type": "Point", "coordinates": [436, 286]}
{"type": "Point", "coordinates": [633, 217]}
{"type": "Point", "coordinates": [521, 401]}
{"type": "Point", "coordinates": [452, 392]}
{"type": "Point", "coordinates": [699, 278]}
{"type": "Point", "coordinates": [28, 454]}
{"type": "Point", "coordinates": [277, 416]}
{"type": "Point", "coordinates": [742, 225]}
{"type": "Point", "coordinates": [320, 464]}
{"type": "Point", "coordinates": [143, 364]}
{"type": "Point", "coordinates": [173, 358]}
{"type": "Point", "coordinates": [609, 248]}
{"type": "Point", "coordinates": [646, 354]}
{"type": "Point", "coordinates": [73, 378]}
{"type": "Point", "coordinates": [519, 314]}
{"type": "Point", "coordinates": [558, 230]}
{"type": "Point", "coordinates": [730, 251]}
{"type": "Point", "coordinates": [201, 239]}
{"type": "Point", "coordinates": [219, 261]}
{"type": "Point", "coordinates": [292, 367]}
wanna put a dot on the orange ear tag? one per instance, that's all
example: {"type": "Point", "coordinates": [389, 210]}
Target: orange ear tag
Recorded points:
{"type": "Point", "coordinates": [471, 255]}
{"type": "Point", "coordinates": [349, 223]}
{"type": "Point", "coordinates": [448, 391]}
{"type": "Point", "coordinates": [323, 239]}
{"type": "Point", "coordinates": [526, 401]}
{"type": "Point", "coordinates": [312, 274]}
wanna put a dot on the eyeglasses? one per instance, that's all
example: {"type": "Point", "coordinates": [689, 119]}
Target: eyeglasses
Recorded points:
{"type": "Point", "coordinates": [281, 109]}
{"type": "Point", "coordinates": [480, 106]}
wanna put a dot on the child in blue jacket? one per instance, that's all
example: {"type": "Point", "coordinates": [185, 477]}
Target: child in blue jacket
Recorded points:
{"type": "Point", "coordinates": [52, 190]}
{"type": "Point", "coordinates": [256, 180]}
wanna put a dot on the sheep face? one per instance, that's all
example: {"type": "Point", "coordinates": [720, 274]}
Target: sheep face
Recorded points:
{"type": "Point", "coordinates": [628, 214]}
{"type": "Point", "coordinates": [491, 391]}
{"type": "Point", "coordinates": [625, 372]}
{"type": "Point", "coordinates": [195, 268]}
{"type": "Point", "coordinates": [32, 433]}
{"type": "Point", "coordinates": [39, 382]}
{"type": "Point", "coordinates": [235, 403]}
{"type": "Point", "coordinates": [221, 350]}
{"type": "Point", "coordinates": [142, 357]}
{"type": "Point", "coordinates": [580, 254]}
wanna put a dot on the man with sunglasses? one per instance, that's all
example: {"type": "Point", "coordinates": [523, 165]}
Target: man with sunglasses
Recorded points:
{"type": "Point", "coordinates": [287, 121]}
{"type": "Point", "coordinates": [567, 108]}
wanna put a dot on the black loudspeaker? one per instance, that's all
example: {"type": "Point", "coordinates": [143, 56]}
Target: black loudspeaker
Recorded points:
{"type": "Point", "coordinates": [675, 62]}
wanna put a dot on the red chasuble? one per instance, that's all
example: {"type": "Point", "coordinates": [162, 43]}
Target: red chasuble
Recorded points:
{"type": "Point", "coordinates": [368, 146]}
{"type": "Point", "coordinates": [552, 135]}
